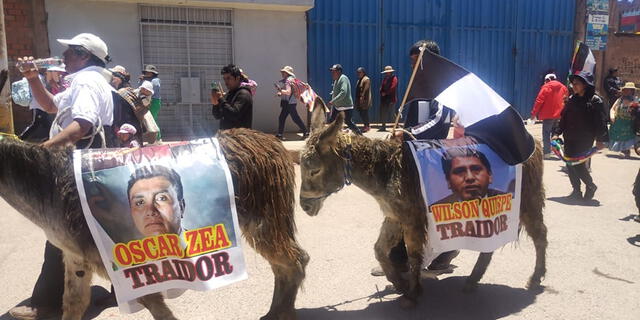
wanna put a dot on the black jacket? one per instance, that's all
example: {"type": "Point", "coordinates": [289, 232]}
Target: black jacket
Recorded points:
{"type": "Point", "coordinates": [582, 121]}
{"type": "Point", "coordinates": [235, 109]}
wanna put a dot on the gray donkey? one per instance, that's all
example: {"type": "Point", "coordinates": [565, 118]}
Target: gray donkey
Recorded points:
{"type": "Point", "coordinates": [378, 168]}
{"type": "Point", "coordinates": [39, 183]}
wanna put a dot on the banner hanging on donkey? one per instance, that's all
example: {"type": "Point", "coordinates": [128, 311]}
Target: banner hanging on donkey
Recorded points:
{"type": "Point", "coordinates": [162, 217]}
{"type": "Point", "coordinates": [472, 195]}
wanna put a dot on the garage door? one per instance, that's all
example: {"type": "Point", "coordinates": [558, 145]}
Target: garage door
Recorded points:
{"type": "Point", "coordinates": [189, 46]}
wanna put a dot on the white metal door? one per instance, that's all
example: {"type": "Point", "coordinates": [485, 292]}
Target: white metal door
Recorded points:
{"type": "Point", "coordinates": [189, 46]}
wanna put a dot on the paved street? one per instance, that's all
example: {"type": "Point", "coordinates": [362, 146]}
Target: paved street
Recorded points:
{"type": "Point", "coordinates": [593, 264]}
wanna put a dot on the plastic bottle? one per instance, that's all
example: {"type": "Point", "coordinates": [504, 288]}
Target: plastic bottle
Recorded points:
{"type": "Point", "coordinates": [43, 63]}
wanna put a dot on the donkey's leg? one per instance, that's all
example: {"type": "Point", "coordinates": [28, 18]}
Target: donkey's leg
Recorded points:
{"type": "Point", "coordinates": [414, 239]}
{"type": "Point", "coordinates": [288, 262]}
{"type": "Point", "coordinates": [535, 227]}
{"type": "Point", "coordinates": [390, 236]}
{"type": "Point", "coordinates": [157, 307]}
{"type": "Point", "coordinates": [478, 271]}
{"type": "Point", "coordinates": [77, 287]}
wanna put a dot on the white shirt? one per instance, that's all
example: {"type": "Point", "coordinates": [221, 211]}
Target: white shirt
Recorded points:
{"type": "Point", "coordinates": [88, 96]}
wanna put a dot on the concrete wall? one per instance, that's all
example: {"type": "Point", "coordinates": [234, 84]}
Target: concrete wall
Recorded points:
{"type": "Point", "coordinates": [264, 42]}
{"type": "Point", "coordinates": [117, 24]}
{"type": "Point", "coordinates": [623, 50]}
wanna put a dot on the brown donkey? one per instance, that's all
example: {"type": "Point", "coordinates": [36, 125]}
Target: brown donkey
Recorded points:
{"type": "Point", "coordinates": [377, 167]}
{"type": "Point", "coordinates": [39, 183]}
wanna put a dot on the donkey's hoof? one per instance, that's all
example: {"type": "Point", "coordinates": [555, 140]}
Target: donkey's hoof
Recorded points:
{"type": "Point", "coordinates": [534, 285]}
{"type": "Point", "coordinates": [402, 286]}
{"type": "Point", "coordinates": [407, 303]}
{"type": "Point", "coordinates": [279, 316]}
{"type": "Point", "coordinates": [470, 287]}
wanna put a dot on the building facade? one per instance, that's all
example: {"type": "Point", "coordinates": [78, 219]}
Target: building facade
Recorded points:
{"type": "Point", "coordinates": [189, 42]}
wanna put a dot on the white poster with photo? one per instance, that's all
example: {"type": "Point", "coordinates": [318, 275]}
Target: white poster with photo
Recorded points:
{"type": "Point", "coordinates": [472, 195]}
{"type": "Point", "coordinates": [163, 218]}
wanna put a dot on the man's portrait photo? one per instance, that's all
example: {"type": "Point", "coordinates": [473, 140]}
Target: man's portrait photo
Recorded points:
{"type": "Point", "coordinates": [156, 200]}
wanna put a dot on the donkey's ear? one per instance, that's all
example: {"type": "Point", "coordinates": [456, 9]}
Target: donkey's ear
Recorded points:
{"type": "Point", "coordinates": [330, 134]}
{"type": "Point", "coordinates": [318, 115]}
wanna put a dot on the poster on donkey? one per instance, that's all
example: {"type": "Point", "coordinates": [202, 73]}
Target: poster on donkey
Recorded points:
{"type": "Point", "coordinates": [163, 218]}
{"type": "Point", "coordinates": [472, 195]}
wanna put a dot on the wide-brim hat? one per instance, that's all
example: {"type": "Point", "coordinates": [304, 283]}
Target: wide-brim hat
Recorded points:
{"type": "Point", "coordinates": [586, 76]}
{"type": "Point", "coordinates": [147, 85]}
{"type": "Point", "coordinates": [629, 85]}
{"type": "Point", "coordinates": [91, 42]}
{"type": "Point", "coordinates": [151, 68]}
{"type": "Point", "coordinates": [388, 69]}
{"type": "Point", "coordinates": [288, 70]}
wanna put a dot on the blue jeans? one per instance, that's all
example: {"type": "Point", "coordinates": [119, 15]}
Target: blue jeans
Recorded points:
{"type": "Point", "coordinates": [547, 126]}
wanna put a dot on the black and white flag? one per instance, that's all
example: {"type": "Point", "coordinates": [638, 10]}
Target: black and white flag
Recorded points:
{"type": "Point", "coordinates": [484, 114]}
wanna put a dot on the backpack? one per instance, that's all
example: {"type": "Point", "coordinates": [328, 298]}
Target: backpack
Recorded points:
{"type": "Point", "coordinates": [302, 91]}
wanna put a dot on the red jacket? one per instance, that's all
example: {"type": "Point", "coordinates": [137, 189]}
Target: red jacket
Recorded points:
{"type": "Point", "coordinates": [550, 101]}
{"type": "Point", "coordinates": [389, 86]}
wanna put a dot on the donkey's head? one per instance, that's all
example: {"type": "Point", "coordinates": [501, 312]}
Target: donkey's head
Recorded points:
{"type": "Point", "coordinates": [321, 165]}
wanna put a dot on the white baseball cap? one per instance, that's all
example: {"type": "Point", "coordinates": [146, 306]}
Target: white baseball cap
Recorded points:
{"type": "Point", "coordinates": [91, 42]}
{"type": "Point", "coordinates": [147, 85]}
{"type": "Point", "coordinates": [550, 76]}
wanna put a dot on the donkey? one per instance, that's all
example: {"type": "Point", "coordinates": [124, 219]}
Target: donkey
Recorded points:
{"type": "Point", "coordinates": [379, 167]}
{"type": "Point", "coordinates": [39, 183]}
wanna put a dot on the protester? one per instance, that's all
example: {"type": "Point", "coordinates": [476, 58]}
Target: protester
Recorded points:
{"type": "Point", "coordinates": [363, 97]}
{"type": "Point", "coordinates": [388, 97]}
{"type": "Point", "coordinates": [121, 78]}
{"type": "Point", "coordinates": [424, 120]}
{"type": "Point", "coordinates": [622, 134]}
{"type": "Point", "coordinates": [150, 73]}
{"type": "Point", "coordinates": [126, 135]}
{"type": "Point", "coordinates": [548, 106]}
{"type": "Point", "coordinates": [248, 83]}
{"type": "Point", "coordinates": [235, 108]}
{"type": "Point", "coordinates": [81, 110]}
{"type": "Point", "coordinates": [341, 100]}
{"type": "Point", "coordinates": [612, 86]}
{"type": "Point", "coordinates": [582, 121]}
{"type": "Point", "coordinates": [288, 102]}
{"type": "Point", "coordinates": [38, 130]}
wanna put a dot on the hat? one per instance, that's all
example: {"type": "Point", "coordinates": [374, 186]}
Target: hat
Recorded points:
{"type": "Point", "coordinates": [629, 85]}
{"type": "Point", "coordinates": [150, 68]}
{"type": "Point", "coordinates": [91, 42]}
{"type": "Point", "coordinates": [127, 128]}
{"type": "Point", "coordinates": [118, 69]}
{"type": "Point", "coordinates": [388, 69]}
{"type": "Point", "coordinates": [147, 85]}
{"type": "Point", "coordinates": [288, 70]}
{"type": "Point", "coordinates": [336, 66]}
{"type": "Point", "coordinates": [586, 76]}
{"type": "Point", "coordinates": [60, 68]}
{"type": "Point", "coordinates": [550, 76]}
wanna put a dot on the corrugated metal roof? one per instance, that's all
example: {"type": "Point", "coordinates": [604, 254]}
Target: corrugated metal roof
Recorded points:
{"type": "Point", "coordinates": [509, 44]}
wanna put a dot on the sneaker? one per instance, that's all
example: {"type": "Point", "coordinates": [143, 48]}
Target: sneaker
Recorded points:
{"type": "Point", "coordinates": [626, 154]}
{"type": "Point", "coordinates": [637, 218]}
{"type": "Point", "coordinates": [280, 137]}
{"type": "Point", "coordinates": [590, 191]}
{"type": "Point", "coordinates": [382, 130]}
{"type": "Point", "coordinates": [30, 313]}
{"type": "Point", "coordinates": [305, 135]}
{"type": "Point", "coordinates": [365, 129]}
{"type": "Point", "coordinates": [575, 194]}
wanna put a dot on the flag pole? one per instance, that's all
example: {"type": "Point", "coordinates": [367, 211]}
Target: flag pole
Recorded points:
{"type": "Point", "coordinates": [406, 93]}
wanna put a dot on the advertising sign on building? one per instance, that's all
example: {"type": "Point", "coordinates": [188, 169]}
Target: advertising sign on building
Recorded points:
{"type": "Point", "coordinates": [597, 24]}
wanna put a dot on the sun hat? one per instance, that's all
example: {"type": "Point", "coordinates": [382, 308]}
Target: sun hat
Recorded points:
{"type": "Point", "coordinates": [629, 85]}
{"type": "Point", "coordinates": [288, 70]}
{"type": "Point", "coordinates": [151, 68]}
{"type": "Point", "coordinates": [388, 69]}
{"type": "Point", "coordinates": [147, 85]}
{"type": "Point", "coordinates": [91, 42]}
{"type": "Point", "coordinates": [127, 128]}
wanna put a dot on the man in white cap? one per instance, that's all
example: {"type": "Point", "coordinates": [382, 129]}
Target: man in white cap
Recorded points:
{"type": "Point", "coordinates": [548, 107]}
{"type": "Point", "coordinates": [84, 108]}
